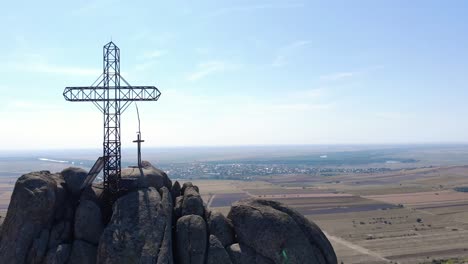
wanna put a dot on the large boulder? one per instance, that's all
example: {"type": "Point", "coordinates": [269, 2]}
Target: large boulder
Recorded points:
{"type": "Point", "coordinates": [279, 233]}
{"type": "Point", "coordinates": [147, 176]}
{"type": "Point", "coordinates": [88, 222]}
{"type": "Point", "coordinates": [74, 178]}
{"type": "Point", "coordinates": [192, 202]}
{"type": "Point", "coordinates": [82, 252]}
{"type": "Point", "coordinates": [186, 185]}
{"type": "Point", "coordinates": [221, 227]}
{"type": "Point", "coordinates": [191, 235]}
{"type": "Point", "coordinates": [139, 230]}
{"type": "Point", "coordinates": [31, 210]}
{"type": "Point", "coordinates": [216, 252]}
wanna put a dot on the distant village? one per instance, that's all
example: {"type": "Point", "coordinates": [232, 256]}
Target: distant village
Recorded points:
{"type": "Point", "coordinates": [240, 171]}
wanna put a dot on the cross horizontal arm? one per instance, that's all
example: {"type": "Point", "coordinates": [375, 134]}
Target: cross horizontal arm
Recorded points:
{"type": "Point", "coordinates": [125, 93]}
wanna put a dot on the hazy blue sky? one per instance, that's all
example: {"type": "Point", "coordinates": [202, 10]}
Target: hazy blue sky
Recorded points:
{"type": "Point", "coordinates": [239, 72]}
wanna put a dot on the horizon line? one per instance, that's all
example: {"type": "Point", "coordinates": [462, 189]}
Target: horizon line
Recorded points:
{"type": "Point", "coordinates": [250, 146]}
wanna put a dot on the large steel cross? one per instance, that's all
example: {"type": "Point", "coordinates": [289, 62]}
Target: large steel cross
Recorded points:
{"type": "Point", "coordinates": [112, 99]}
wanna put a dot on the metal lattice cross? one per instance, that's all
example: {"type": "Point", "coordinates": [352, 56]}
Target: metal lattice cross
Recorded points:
{"type": "Point", "coordinates": [112, 99]}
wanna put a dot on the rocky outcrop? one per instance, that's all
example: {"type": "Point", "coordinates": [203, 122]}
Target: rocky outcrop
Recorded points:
{"type": "Point", "coordinates": [192, 203]}
{"type": "Point", "coordinates": [191, 239]}
{"type": "Point", "coordinates": [221, 227]}
{"type": "Point", "coordinates": [39, 248]}
{"type": "Point", "coordinates": [30, 215]}
{"type": "Point", "coordinates": [58, 255]}
{"type": "Point", "coordinates": [88, 222]}
{"type": "Point", "coordinates": [216, 252]}
{"type": "Point", "coordinates": [51, 221]}
{"type": "Point", "coordinates": [279, 233]}
{"type": "Point", "coordinates": [147, 176]}
{"type": "Point", "coordinates": [60, 232]}
{"type": "Point", "coordinates": [74, 178]}
{"type": "Point", "coordinates": [82, 252]}
{"type": "Point", "coordinates": [138, 229]}
{"type": "Point", "coordinates": [175, 191]}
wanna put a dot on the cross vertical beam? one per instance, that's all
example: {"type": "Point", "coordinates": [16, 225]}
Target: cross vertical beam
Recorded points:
{"type": "Point", "coordinates": [111, 99]}
{"type": "Point", "coordinates": [111, 144]}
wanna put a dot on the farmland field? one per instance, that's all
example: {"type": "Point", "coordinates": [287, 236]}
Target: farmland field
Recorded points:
{"type": "Point", "coordinates": [414, 219]}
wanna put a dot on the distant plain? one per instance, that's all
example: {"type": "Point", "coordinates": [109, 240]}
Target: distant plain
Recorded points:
{"type": "Point", "coordinates": [377, 204]}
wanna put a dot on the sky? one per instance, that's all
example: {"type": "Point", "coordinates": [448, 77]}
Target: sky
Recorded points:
{"type": "Point", "coordinates": [239, 72]}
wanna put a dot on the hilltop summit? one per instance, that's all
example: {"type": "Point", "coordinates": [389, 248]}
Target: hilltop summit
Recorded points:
{"type": "Point", "coordinates": [50, 220]}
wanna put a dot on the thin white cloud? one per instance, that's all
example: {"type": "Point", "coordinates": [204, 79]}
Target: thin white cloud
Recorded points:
{"type": "Point", "coordinates": [162, 39]}
{"type": "Point", "coordinates": [153, 54]}
{"type": "Point", "coordinates": [337, 76]}
{"type": "Point", "coordinates": [208, 68]}
{"type": "Point", "coordinates": [279, 61]}
{"type": "Point", "coordinates": [287, 51]}
{"type": "Point", "coordinates": [303, 106]}
{"type": "Point", "coordinates": [28, 106]}
{"type": "Point", "coordinates": [54, 69]}
{"type": "Point", "coordinates": [202, 51]}
{"type": "Point", "coordinates": [93, 6]}
{"type": "Point", "coordinates": [297, 44]}
{"type": "Point", "coordinates": [37, 63]}
{"type": "Point", "coordinates": [148, 59]}
{"type": "Point", "coordinates": [306, 94]}
{"type": "Point", "coordinates": [343, 75]}
{"type": "Point", "coordinates": [389, 115]}
{"type": "Point", "coordinates": [248, 8]}
{"type": "Point", "coordinates": [143, 66]}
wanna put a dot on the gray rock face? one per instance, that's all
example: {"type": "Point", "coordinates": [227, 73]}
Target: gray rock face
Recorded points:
{"type": "Point", "coordinates": [138, 231]}
{"type": "Point", "coordinates": [31, 210]}
{"type": "Point", "coordinates": [39, 247]}
{"type": "Point", "coordinates": [58, 255]}
{"type": "Point", "coordinates": [74, 177]}
{"type": "Point", "coordinates": [165, 251]}
{"type": "Point", "coordinates": [175, 191]}
{"type": "Point", "coordinates": [82, 252]}
{"type": "Point", "coordinates": [178, 207]}
{"type": "Point", "coordinates": [147, 176]}
{"type": "Point", "coordinates": [192, 202]}
{"type": "Point", "coordinates": [279, 233]}
{"type": "Point", "coordinates": [242, 254]}
{"type": "Point", "coordinates": [216, 252]}
{"type": "Point", "coordinates": [221, 227]}
{"type": "Point", "coordinates": [62, 201]}
{"type": "Point", "coordinates": [88, 222]}
{"type": "Point", "coordinates": [185, 186]}
{"type": "Point", "coordinates": [61, 232]}
{"type": "Point", "coordinates": [92, 193]}
{"type": "Point", "coordinates": [191, 239]}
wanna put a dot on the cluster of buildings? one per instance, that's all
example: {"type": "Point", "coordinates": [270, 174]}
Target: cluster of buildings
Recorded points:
{"type": "Point", "coordinates": [245, 171]}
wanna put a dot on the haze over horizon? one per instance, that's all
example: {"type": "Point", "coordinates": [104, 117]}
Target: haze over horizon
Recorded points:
{"type": "Point", "coordinates": [239, 73]}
